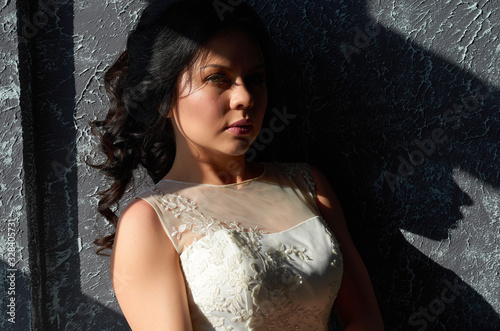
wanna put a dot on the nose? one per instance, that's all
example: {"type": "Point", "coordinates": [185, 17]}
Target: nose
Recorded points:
{"type": "Point", "coordinates": [241, 98]}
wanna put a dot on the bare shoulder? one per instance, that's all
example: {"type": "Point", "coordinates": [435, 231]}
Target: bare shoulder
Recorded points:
{"type": "Point", "coordinates": [319, 179]}
{"type": "Point", "coordinates": [326, 198]}
{"type": "Point", "coordinates": [145, 272]}
{"type": "Point", "coordinates": [139, 218]}
{"type": "Point", "coordinates": [139, 233]}
{"type": "Point", "coordinates": [322, 185]}
{"type": "Point", "coordinates": [140, 241]}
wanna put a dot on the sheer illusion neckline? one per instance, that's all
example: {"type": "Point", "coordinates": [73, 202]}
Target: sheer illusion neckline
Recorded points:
{"type": "Point", "coordinates": [246, 181]}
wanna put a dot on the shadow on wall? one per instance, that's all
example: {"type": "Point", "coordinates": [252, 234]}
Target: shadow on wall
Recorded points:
{"type": "Point", "coordinates": [390, 123]}
{"type": "Point", "coordinates": [85, 312]}
{"type": "Point", "coordinates": [360, 114]}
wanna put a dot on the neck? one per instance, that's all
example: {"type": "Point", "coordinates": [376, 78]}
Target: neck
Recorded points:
{"type": "Point", "coordinates": [220, 170]}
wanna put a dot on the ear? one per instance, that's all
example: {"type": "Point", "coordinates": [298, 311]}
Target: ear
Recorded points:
{"type": "Point", "coordinates": [162, 109]}
{"type": "Point", "coordinates": [170, 112]}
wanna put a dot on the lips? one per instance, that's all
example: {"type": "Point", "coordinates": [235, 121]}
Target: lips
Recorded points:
{"type": "Point", "coordinates": [241, 127]}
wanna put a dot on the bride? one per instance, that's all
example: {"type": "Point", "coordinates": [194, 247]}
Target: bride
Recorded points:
{"type": "Point", "coordinates": [217, 243]}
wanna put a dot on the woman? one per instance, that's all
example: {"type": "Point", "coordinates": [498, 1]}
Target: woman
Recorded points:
{"type": "Point", "coordinates": [217, 243]}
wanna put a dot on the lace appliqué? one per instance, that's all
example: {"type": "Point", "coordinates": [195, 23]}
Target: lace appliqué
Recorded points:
{"type": "Point", "coordinates": [232, 279]}
{"type": "Point", "coordinates": [292, 170]}
{"type": "Point", "coordinates": [268, 280]}
{"type": "Point", "coordinates": [275, 285]}
{"type": "Point", "coordinates": [193, 220]}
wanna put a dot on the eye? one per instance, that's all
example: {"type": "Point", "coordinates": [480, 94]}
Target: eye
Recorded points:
{"type": "Point", "coordinates": [218, 79]}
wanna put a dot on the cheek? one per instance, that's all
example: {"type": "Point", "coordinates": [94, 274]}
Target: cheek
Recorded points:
{"type": "Point", "coordinates": [201, 106]}
{"type": "Point", "coordinates": [198, 114]}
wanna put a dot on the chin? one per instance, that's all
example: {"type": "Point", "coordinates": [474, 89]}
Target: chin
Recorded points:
{"type": "Point", "coordinates": [241, 149]}
{"type": "Point", "coordinates": [239, 152]}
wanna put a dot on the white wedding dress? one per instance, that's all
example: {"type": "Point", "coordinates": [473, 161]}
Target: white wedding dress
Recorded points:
{"type": "Point", "coordinates": [256, 255]}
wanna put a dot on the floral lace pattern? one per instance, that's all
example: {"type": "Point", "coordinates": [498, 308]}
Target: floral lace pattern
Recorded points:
{"type": "Point", "coordinates": [244, 278]}
{"type": "Point", "coordinates": [193, 220]}
{"type": "Point", "coordinates": [293, 170]}
{"type": "Point", "coordinates": [221, 283]}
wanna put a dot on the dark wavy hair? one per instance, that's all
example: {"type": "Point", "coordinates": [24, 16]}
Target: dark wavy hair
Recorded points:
{"type": "Point", "coordinates": [141, 86]}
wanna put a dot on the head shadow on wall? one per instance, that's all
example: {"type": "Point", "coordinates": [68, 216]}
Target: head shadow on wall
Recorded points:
{"type": "Point", "coordinates": [397, 128]}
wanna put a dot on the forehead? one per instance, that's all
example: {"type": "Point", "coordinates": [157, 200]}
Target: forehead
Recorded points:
{"type": "Point", "coordinates": [233, 48]}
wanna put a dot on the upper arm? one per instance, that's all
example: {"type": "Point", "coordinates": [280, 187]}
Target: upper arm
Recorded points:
{"type": "Point", "coordinates": [356, 304]}
{"type": "Point", "coordinates": [146, 274]}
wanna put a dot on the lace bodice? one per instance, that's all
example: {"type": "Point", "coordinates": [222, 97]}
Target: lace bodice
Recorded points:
{"type": "Point", "coordinates": [255, 255]}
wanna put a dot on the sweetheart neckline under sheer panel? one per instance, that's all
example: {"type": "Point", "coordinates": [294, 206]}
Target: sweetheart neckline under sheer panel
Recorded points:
{"type": "Point", "coordinates": [270, 234]}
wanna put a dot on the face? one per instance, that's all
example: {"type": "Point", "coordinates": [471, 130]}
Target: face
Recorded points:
{"type": "Point", "coordinates": [221, 99]}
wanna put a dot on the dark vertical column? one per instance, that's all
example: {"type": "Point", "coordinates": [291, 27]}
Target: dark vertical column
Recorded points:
{"type": "Point", "coordinates": [27, 33]}
{"type": "Point", "coordinates": [48, 94]}
{"type": "Point", "coordinates": [53, 128]}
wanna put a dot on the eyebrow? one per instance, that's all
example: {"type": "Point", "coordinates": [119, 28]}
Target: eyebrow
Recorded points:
{"type": "Point", "coordinates": [259, 66]}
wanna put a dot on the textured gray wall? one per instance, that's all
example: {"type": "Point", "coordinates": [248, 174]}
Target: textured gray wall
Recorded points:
{"type": "Point", "coordinates": [396, 101]}
{"type": "Point", "coordinates": [14, 272]}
